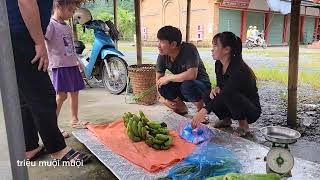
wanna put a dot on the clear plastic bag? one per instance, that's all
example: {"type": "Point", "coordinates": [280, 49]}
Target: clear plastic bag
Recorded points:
{"type": "Point", "coordinates": [195, 136]}
{"type": "Point", "coordinates": [208, 160]}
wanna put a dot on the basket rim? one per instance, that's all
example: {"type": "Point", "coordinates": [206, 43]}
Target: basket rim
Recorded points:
{"type": "Point", "coordinates": [142, 68]}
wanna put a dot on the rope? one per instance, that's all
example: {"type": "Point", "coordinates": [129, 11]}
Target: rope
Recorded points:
{"type": "Point", "coordinates": [137, 97]}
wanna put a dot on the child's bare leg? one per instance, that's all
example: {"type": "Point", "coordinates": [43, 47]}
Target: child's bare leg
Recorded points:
{"type": "Point", "coordinates": [74, 107]}
{"type": "Point", "coordinates": [60, 98]}
{"type": "Point", "coordinates": [74, 110]}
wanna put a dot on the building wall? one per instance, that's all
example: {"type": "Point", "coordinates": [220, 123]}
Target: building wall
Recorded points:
{"type": "Point", "coordinates": [204, 18]}
{"type": "Point", "coordinates": [158, 13]}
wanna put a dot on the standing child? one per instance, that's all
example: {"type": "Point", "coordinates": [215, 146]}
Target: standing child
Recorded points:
{"type": "Point", "coordinates": [66, 75]}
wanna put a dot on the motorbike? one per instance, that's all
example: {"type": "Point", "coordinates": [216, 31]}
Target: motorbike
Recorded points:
{"type": "Point", "coordinates": [252, 42]}
{"type": "Point", "coordinates": [103, 61]}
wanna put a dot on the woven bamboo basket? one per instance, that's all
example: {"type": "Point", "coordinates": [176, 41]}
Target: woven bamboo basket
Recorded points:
{"type": "Point", "coordinates": [143, 80]}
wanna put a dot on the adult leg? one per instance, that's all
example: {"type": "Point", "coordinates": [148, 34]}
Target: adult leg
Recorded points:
{"type": "Point", "coordinates": [242, 109]}
{"type": "Point", "coordinates": [39, 95]}
{"type": "Point", "coordinates": [30, 133]}
{"type": "Point", "coordinates": [171, 92]}
{"type": "Point", "coordinates": [194, 91]}
{"type": "Point", "coordinates": [218, 106]}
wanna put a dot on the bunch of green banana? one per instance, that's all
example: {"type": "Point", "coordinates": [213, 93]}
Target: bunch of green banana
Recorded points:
{"type": "Point", "coordinates": [135, 126]}
{"type": "Point", "coordinates": [140, 128]}
{"type": "Point", "coordinates": [158, 136]}
{"type": "Point", "coordinates": [126, 118]}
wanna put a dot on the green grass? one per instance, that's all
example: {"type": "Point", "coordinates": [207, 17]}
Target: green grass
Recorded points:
{"type": "Point", "coordinates": [267, 53]}
{"type": "Point", "coordinates": [267, 74]}
{"type": "Point", "coordinates": [308, 64]}
{"type": "Point", "coordinates": [279, 54]}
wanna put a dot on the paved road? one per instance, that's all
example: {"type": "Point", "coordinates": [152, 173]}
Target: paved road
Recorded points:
{"type": "Point", "coordinates": [253, 59]}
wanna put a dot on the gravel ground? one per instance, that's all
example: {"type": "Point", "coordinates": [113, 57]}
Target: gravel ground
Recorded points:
{"type": "Point", "coordinates": [274, 109]}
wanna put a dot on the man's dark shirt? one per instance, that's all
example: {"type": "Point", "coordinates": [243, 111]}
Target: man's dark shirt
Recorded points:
{"type": "Point", "coordinates": [187, 58]}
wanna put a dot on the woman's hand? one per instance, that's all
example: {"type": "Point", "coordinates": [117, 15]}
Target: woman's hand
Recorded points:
{"type": "Point", "coordinates": [214, 92]}
{"type": "Point", "coordinates": [199, 118]}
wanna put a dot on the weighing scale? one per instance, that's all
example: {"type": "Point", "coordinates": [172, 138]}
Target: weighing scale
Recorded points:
{"type": "Point", "coordinates": [279, 158]}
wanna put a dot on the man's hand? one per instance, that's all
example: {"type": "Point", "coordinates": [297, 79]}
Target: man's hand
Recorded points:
{"type": "Point", "coordinates": [41, 56]}
{"type": "Point", "coordinates": [214, 92]}
{"type": "Point", "coordinates": [30, 13]}
{"type": "Point", "coordinates": [163, 81]}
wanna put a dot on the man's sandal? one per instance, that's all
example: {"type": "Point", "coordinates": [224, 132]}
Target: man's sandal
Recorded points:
{"type": "Point", "coordinates": [76, 156]}
{"type": "Point", "coordinates": [40, 153]}
{"type": "Point", "coordinates": [206, 120]}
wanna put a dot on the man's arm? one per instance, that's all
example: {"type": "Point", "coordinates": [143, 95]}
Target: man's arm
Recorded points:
{"type": "Point", "coordinates": [30, 13]}
{"type": "Point", "coordinates": [159, 75]}
{"type": "Point", "coordinates": [190, 74]}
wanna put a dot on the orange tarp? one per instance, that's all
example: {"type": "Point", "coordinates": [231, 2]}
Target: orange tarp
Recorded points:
{"type": "Point", "coordinates": [114, 136]}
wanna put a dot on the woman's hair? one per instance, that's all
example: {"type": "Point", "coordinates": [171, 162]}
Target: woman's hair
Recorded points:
{"type": "Point", "coordinates": [229, 39]}
{"type": "Point", "coordinates": [64, 3]}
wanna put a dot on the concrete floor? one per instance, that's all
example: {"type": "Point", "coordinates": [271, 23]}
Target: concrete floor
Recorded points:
{"type": "Point", "coordinates": [98, 106]}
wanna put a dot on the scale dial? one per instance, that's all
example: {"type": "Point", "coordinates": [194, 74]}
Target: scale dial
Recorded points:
{"type": "Point", "coordinates": [280, 160]}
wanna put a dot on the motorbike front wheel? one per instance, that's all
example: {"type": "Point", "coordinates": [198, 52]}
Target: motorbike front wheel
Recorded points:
{"type": "Point", "coordinates": [116, 83]}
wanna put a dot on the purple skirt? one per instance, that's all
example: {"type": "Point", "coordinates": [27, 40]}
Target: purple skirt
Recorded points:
{"type": "Point", "coordinates": [67, 79]}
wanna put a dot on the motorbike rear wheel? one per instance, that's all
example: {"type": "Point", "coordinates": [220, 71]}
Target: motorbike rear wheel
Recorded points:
{"type": "Point", "coordinates": [117, 82]}
{"type": "Point", "coordinates": [264, 45]}
{"type": "Point", "coordinates": [249, 45]}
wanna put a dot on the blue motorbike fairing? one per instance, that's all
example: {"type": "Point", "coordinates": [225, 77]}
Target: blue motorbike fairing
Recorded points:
{"type": "Point", "coordinates": [107, 51]}
{"type": "Point", "coordinates": [100, 40]}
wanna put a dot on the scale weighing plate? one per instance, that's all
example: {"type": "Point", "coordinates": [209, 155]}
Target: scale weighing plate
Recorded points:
{"type": "Point", "coordinates": [279, 159]}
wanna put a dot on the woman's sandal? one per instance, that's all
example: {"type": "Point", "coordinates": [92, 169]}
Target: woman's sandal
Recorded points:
{"type": "Point", "coordinates": [206, 120]}
{"type": "Point", "coordinates": [76, 156]}
{"type": "Point", "coordinates": [222, 124]}
{"type": "Point", "coordinates": [240, 132]}
{"type": "Point", "coordinates": [79, 124]}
